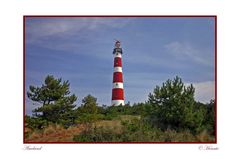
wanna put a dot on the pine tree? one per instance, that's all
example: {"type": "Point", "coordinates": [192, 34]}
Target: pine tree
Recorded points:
{"type": "Point", "coordinates": [54, 95]}
{"type": "Point", "coordinates": [172, 106]}
{"type": "Point", "coordinates": [89, 104]}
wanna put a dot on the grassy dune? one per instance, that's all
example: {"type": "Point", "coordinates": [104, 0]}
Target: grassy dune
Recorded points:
{"type": "Point", "coordinates": [124, 128]}
{"type": "Point", "coordinates": [54, 133]}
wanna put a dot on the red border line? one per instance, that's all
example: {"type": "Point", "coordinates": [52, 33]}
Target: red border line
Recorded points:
{"type": "Point", "coordinates": [24, 73]}
{"type": "Point", "coordinates": [117, 16]}
{"type": "Point", "coordinates": [215, 79]}
{"type": "Point", "coordinates": [119, 143]}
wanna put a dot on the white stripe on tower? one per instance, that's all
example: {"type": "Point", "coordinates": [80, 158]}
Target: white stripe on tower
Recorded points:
{"type": "Point", "coordinates": [117, 102]}
{"type": "Point", "coordinates": [117, 69]}
{"type": "Point", "coordinates": [118, 85]}
{"type": "Point", "coordinates": [118, 54]}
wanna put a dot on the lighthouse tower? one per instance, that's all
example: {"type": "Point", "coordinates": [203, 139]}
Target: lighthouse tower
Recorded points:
{"type": "Point", "coordinates": [117, 90]}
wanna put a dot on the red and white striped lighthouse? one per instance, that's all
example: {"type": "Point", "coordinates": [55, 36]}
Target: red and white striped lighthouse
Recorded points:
{"type": "Point", "coordinates": [117, 90]}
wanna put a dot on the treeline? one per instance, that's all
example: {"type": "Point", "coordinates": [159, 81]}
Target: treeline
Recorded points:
{"type": "Point", "coordinates": [170, 110]}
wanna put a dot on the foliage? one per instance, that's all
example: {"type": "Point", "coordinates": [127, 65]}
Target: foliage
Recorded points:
{"type": "Point", "coordinates": [57, 104]}
{"type": "Point", "coordinates": [136, 109]}
{"type": "Point", "coordinates": [89, 118]}
{"type": "Point", "coordinates": [172, 106]}
{"type": "Point", "coordinates": [132, 131]}
{"type": "Point", "coordinates": [209, 118]}
{"type": "Point", "coordinates": [89, 105]}
{"type": "Point", "coordinates": [52, 90]}
{"type": "Point", "coordinates": [137, 131]}
{"type": "Point", "coordinates": [35, 123]}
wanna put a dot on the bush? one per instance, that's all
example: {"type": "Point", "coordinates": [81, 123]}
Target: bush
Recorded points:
{"type": "Point", "coordinates": [96, 135]}
{"type": "Point", "coordinates": [35, 122]}
{"type": "Point", "coordinates": [132, 131]}
{"type": "Point", "coordinates": [89, 118]}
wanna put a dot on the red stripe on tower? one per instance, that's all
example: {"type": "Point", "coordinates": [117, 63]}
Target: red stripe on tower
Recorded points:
{"type": "Point", "coordinates": [117, 62]}
{"type": "Point", "coordinates": [117, 90]}
{"type": "Point", "coordinates": [117, 94]}
{"type": "Point", "coordinates": [117, 77]}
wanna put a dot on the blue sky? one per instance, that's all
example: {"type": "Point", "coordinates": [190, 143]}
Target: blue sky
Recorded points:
{"type": "Point", "coordinates": [154, 49]}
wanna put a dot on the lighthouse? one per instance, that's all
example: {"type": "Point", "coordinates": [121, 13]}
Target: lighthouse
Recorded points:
{"type": "Point", "coordinates": [117, 90]}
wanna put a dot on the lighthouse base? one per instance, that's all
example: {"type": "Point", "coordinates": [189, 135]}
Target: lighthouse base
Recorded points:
{"type": "Point", "coordinates": [117, 102]}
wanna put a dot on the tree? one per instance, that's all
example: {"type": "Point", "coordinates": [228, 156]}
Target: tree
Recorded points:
{"type": "Point", "coordinates": [54, 95]}
{"type": "Point", "coordinates": [172, 106]}
{"type": "Point", "coordinates": [89, 104]}
{"type": "Point", "coordinates": [210, 117]}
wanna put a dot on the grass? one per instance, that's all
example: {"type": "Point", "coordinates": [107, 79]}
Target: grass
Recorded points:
{"type": "Point", "coordinates": [55, 133]}
{"type": "Point", "coordinates": [123, 128]}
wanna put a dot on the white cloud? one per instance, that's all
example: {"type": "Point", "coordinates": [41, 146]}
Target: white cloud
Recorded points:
{"type": "Point", "coordinates": [146, 59]}
{"type": "Point", "coordinates": [204, 91]}
{"type": "Point", "coordinates": [62, 27]}
{"type": "Point", "coordinates": [73, 35]}
{"type": "Point", "coordinates": [185, 51]}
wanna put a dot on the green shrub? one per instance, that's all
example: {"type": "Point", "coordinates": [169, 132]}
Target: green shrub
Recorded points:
{"type": "Point", "coordinates": [89, 118]}
{"type": "Point", "coordinates": [35, 122]}
{"type": "Point", "coordinates": [132, 131]}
